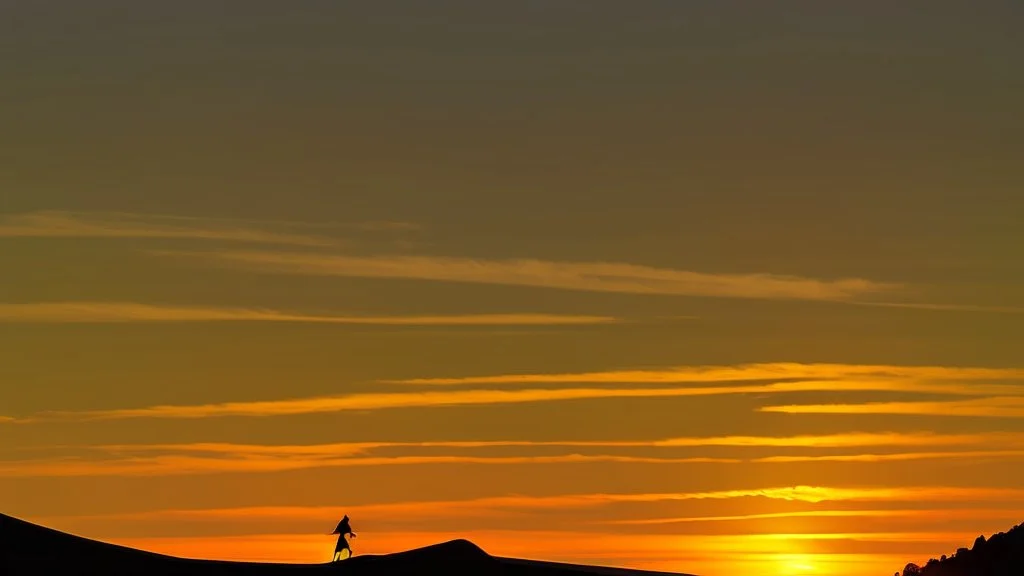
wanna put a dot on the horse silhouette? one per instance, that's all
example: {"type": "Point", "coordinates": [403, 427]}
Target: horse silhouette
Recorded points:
{"type": "Point", "coordinates": [343, 530]}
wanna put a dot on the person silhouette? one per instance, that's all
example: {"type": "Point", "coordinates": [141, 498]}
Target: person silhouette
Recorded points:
{"type": "Point", "coordinates": [343, 530]}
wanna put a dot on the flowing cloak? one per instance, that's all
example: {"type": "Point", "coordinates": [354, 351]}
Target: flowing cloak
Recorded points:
{"type": "Point", "coordinates": [342, 545]}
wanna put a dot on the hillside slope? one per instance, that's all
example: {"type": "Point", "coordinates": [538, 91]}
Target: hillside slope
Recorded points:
{"type": "Point", "coordinates": [27, 549]}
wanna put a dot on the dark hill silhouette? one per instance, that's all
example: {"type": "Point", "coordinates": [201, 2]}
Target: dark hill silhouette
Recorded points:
{"type": "Point", "coordinates": [27, 549]}
{"type": "Point", "coordinates": [1000, 555]}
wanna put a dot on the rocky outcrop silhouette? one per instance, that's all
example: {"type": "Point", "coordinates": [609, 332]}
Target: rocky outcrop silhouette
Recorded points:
{"type": "Point", "coordinates": [1000, 555]}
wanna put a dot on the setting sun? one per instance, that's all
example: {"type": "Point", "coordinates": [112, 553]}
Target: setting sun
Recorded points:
{"type": "Point", "coordinates": [795, 564]}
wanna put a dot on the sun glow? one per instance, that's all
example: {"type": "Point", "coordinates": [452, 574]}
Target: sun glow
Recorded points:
{"type": "Point", "coordinates": [795, 564]}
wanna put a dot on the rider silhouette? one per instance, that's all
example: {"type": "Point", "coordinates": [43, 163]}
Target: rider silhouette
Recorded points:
{"type": "Point", "coordinates": [342, 530]}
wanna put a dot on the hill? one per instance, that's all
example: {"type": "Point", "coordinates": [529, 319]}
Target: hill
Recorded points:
{"type": "Point", "coordinates": [1000, 555]}
{"type": "Point", "coordinates": [28, 549]}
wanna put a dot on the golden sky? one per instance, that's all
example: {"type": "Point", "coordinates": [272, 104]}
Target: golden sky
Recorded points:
{"type": "Point", "coordinates": [709, 287]}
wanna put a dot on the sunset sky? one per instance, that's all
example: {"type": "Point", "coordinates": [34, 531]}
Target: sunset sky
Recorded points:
{"type": "Point", "coordinates": [712, 287]}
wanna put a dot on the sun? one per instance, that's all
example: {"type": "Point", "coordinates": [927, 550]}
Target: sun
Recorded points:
{"type": "Point", "coordinates": [795, 564]}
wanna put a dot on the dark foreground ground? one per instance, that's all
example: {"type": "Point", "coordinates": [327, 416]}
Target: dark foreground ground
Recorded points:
{"type": "Point", "coordinates": [29, 550]}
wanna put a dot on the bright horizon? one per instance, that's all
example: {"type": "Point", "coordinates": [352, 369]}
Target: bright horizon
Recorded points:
{"type": "Point", "coordinates": [707, 287]}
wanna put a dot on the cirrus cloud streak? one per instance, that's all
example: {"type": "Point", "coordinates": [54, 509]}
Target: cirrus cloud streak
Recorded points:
{"type": "Point", "coordinates": [123, 312]}
{"type": "Point", "coordinates": [435, 398]}
{"type": "Point", "coordinates": [495, 505]}
{"type": "Point", "coordinates": [199, 458]}
{"type": "Point", "coordinates": [615, 277]}
{"type": "Point", "coordinates": [840, 440]}
{"type": "Point", "coordinates": [996, 407]}
{"type": "Point", "coordinates": [190, 465]}
{"type": "Point", "coordinates": [57, 224]}
{"type": "Point", "coordinates": [740, 372]}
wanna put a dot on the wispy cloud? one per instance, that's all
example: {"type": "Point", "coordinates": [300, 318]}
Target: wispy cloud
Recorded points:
{"type": "Point", "coordinates": [55, 224]}
{"type": "Point", "coordinates": [741, 372]}
{"type": "Point", "coordinates": [587, 276]}
{"type": "Point", "coordinates": [381, 511]}
{"type": "Point", "coordinates": [997, 407]}
{"type": "Point", "coordinates": [497, 505]}
{"type": "Point", "coordinates": [840, 440]}
{"type": "Point", "coordinates": [199, 458]}
{"type": "Point", "coordinates": [916, 514]}
{"type": "Point", "coordinates": [895, 457]}
{"type": "Point", "coordinates": [430, 508]}
{"type": "Point", "coordinates": [370, 401]}
{"type": "Point", "coordinates": [190, 465]}
{"type": "Point", "coordinates": [815, 494]}
{"type": "Point", "coordinates": [439, 398]}
{"type": "Point", "coordinates": [946, 307]}
{"type": "Point", "coordinates": [379, 401]}
{"type": "Point", "coordinates": [851, 439]}
{"type": "Point", "coordinates": [117, 312]}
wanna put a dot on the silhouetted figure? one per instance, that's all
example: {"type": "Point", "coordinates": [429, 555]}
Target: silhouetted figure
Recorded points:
{"type": "Point", "coordinates": [343, 530]}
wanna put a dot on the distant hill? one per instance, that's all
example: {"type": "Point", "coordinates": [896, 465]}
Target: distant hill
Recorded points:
{"type": "Point", "coordinates": [1000, 555]}
{"type": "Point", "coordinates": [28, 550]}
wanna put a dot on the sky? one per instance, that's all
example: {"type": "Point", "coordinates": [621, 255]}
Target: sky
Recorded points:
{"type": "Point", "coordinates": [709, 287]}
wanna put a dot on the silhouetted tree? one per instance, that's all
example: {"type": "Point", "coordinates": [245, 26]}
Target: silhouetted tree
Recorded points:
{"type": "Point", "coordinates": [1000, 555]}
